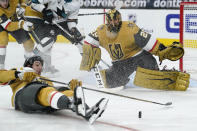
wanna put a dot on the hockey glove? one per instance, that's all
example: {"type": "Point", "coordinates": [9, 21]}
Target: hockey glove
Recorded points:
{"type": "Point", "coordinates": [47, 15]}
{"type": "Point", "coordinates": [20, 11]}
{"type": "Point", "coordinates": [26, 25]}
{"type": "Point", "coordinates": [74, 83]}
{"type": "Point", "coordinates": [26, 76]}
{"type": "Point", "coordinates": [173, 52]}
{"type": "Point", "coordinates": [77, 35]}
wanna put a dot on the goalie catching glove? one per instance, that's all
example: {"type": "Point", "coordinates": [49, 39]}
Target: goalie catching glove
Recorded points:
{"type": "Point", "coordinates": [173, 52]}
{"type": "Point", "coordinates": [91, 57]}
{"type": "Point", "coordinates": [163, 80]}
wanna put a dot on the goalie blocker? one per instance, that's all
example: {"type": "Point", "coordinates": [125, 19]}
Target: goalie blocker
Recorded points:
{"type": "Point", "coordinates": [163, 80]}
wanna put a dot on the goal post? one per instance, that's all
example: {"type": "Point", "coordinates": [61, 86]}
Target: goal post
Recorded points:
{"type": "Point", "coordinates": [188, 36]}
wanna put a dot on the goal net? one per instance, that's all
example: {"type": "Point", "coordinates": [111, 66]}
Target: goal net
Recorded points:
{"type": "Point", "coordinates": [188, 36]}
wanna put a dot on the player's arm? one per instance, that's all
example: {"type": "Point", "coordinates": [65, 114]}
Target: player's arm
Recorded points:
{"type": "Point", "coordinates": [40, 6]}
{"type": "Point", "coordinates": [9, 25]}
{"type": "Point", "coordinates": [37, 5]}
{"type": "Point", "coordinates": [6, 76]}
{"type": "Point", "coordinates": [91, 52]}
{"type": "Point", "coordinates": [149, 43]}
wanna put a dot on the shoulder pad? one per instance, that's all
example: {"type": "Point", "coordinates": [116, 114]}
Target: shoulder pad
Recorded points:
{"type": "Point", "coordinates": [101, 27]}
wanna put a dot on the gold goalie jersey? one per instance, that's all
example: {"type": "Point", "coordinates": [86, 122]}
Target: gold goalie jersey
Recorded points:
{"type": "Point", "coordinates": [8, 77]}
{"type": "Point", "coordinates": [8, 17]}
{"type": "Point", "coordinates": [120, 47]}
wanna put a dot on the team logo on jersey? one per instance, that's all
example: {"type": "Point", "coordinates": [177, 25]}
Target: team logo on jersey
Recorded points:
{"type": "Point", "coordinates": [116, 51]}
{"type": "Point", "coordinates": [61, 12]}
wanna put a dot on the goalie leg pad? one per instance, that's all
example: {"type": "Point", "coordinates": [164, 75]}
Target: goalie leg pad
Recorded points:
{"type": "Point", "coordinates": [91, 56]}
{"type": "Point", "coordinates": [163, 80]}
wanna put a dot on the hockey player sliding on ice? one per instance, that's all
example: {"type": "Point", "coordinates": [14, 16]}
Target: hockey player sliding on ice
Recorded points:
{"type": "Point", "coordinates": [32, 94]}
{"type": "Point", "coordinates": [130, 47]}
{"type": "Point", "coordinates": [42, 13]}
{"type": "Point", "coordinates": [9, 24]}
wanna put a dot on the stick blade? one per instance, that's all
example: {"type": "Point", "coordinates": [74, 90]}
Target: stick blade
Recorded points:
{"type": "Point", "coordinates": [168, 103]}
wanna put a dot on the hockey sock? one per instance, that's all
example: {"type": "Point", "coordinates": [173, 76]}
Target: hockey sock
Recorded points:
{"type": "Point", "coordinates": [2, 56]}
{"type": "Point", "coordinates": [59, 100]}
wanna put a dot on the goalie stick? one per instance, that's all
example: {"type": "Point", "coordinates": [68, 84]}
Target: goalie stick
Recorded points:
{"type": "Point", "coordinates": [91, 14]}
{"type": "Point", "coordinates": [110, 93]}
{"type": "Point", "coordinates": [96, 70]}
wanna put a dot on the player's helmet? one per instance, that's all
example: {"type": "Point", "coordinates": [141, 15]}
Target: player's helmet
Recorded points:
{"type": "Point", "coordinates": [30, 61]}
{"type": "Point", "coordinates": [114, 20]}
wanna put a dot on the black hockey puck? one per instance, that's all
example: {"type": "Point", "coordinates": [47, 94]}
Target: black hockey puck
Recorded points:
{"type": "Point", "coordinates": [140, 114]}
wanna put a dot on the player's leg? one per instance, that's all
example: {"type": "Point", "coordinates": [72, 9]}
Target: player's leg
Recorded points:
{"type": "Point", "coordinates": [118, 74]}
{"type": "Point", "coordinates": [47, 36]}
{"type": "Point", "coordinates": [27, 100]}
{"type": "Point", "coordinates": [146, 60]}
{"type": "Point", "coordinates": [22, 37]}
{"type": "Point", "coordinates": [3, 45]}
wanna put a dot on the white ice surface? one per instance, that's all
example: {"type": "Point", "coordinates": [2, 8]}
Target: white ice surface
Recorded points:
{"type": "Point", "coordinates": [121, 113]}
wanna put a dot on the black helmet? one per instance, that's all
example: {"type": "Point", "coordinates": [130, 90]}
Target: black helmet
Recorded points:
{"type": "Point", "coordinates": [30, 61]}
{"type": "Point", "coordinates": [112, 15]}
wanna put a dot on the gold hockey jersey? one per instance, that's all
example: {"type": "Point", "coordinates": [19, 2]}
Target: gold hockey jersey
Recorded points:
{"type": "Point", "coordinates": [31, 13]}
{"type": "Point", "coordinates": [8, 77]}
{"type": "Point", "coordinates": [121, 47]}
{"type": "Point", "coordinates": [8, 18]}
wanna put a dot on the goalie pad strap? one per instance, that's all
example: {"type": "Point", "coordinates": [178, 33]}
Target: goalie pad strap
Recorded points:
{"type": "Point", "coordinates": [163, 80]}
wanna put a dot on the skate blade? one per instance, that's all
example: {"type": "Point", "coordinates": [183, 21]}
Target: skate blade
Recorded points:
{"type": "Point", "coordinates": [102, 107]}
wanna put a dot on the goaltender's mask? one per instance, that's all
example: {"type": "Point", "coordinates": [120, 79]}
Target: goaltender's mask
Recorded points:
{"type": "Point", "coordinates": [114, 20]}
{"type": "Point", "coordinates": [4, 3]}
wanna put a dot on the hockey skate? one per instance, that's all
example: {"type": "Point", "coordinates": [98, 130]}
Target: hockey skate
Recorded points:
{"type": "Point", "coordinates": [82, 109]}
{"type": "Point", "coordinates": [96, 111]}
{"type": "Point", "coordinates": [79, 101]}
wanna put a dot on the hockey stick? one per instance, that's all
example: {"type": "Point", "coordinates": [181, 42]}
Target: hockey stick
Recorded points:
{"type": "Point", "coordinates": [72, 39]}
{"type": "Point", "coordinates": [34, 35]}
{"type": "Point", "coordinates": [91, 14]}
{"type": "Point", "coordinates": [96, 71]}
{"type": "Point", "coordinates": [32, 31]}
{"type": "Point", "coordinates": [115, 94]}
